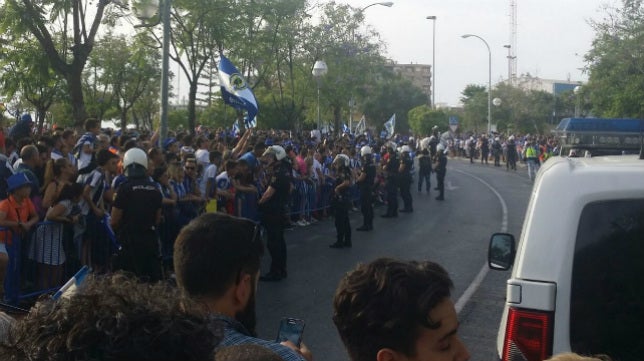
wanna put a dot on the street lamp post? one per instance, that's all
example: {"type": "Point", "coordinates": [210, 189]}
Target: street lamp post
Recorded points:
{"type": "Point", "coordinates": [147, 11]}
{"type": "Point", "coordinates": [489, 79]}
{"type": "Point", "coordinates": [384, 3]}
{"type": "Point", "coordinates": [319, 69]}
{"type": "Point", "coordinates": [433, 98]}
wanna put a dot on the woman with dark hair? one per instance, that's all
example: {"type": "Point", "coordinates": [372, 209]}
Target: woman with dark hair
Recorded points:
{"type": "Point", "coordinates": [48, 245]}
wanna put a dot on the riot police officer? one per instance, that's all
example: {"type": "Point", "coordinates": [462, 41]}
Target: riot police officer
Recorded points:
{"type": "Point", "coordinates": [365, 183]}
{"type": "Point", "coordinates": [272, 207]}
{"type": "Point", "coordinates": [135, 214]}
{"type": "Point", "coordinates": [405, 179]}
{"type": "Point", "coordinates": [391, 183]}
{"type": "Point", "coordinates": [341, 201]}
{"type": "Point", "coordinates": [440, 168]}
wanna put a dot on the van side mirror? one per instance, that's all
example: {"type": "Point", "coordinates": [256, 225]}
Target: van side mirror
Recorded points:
{"type": "Point", "coordinates": [501, 252]}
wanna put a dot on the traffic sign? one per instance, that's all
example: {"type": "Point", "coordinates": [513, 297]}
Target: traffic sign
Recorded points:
{"type": "Point", "coordinates": [453, 122]}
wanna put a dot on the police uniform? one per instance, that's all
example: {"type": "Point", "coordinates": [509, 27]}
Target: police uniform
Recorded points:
{"type": "Point", "coordinates": [391, 185]}
{"type": "Point", "coordinates": [440, 169]}
{"type": "Point", "coordinates": [341, 205]}
{"type": "Point", "coordinates": [273, 218]}
{"type": "Point", "coordinates": [140, 201]}
{"type": "Point", "coordinates": [366, 194]}
{"type": "Point", "coordinates": [405, 182]}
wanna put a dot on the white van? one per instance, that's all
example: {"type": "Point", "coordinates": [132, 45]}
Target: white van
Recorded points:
{"type": "Point", "coordinates": [577, 281]}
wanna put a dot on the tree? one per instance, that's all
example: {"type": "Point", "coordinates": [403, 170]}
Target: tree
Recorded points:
{"type": "Point", "coordinates": [68, 56]}
{"type": "Point", "coordinates": [423, 118]}
{"type": "Point", "coordinates": [354, 61]}
{"type": "Point", "coordinates": [26, 72]}
{"type": "Point", "coordinates": [128, 70]}
{"type": "Point", "coordinates": [474, 101]}
{"type": "Point", "coordinates": [392, 94]}
{"type": "Point", "coordinates": [615, 63]}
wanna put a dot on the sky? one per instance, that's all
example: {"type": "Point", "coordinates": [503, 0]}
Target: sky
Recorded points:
{"type": "Point", "coordinates": [552, 38]}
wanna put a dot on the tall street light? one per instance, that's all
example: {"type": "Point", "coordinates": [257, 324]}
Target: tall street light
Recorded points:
{"type": "Point", "coordinates": [352, 102]}
{"type": "Point", "coordinates": [147, 11]}
{"type": "Point", "coordinates": [319, 69]}
{"type": "Point", "coordinates": [489, 79]}
{"type": "Point", "coordinates": [433, 99]}
{"type": "Point", "coordinates": [384, 3]}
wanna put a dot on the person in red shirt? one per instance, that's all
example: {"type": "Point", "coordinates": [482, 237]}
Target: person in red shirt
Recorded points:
{"type": "Point", "coordinates": [17, 215]}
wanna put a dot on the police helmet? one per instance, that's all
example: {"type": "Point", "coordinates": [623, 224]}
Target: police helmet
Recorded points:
{"type": "Point", "coordinates": [277, 151]}
{"type": "Point", "coordinates": [135, 156]}
{"type": "Point", "coordinates": [366, 150]}
{"type": "Point", "coordinates": [342, 159]}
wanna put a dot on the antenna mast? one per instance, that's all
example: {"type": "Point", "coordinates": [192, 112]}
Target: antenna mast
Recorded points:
{"type": "Point", "coordinates": [512, 48]}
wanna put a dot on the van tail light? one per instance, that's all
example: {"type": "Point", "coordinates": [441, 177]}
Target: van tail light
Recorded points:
{"type": "Point", "coordinates": [528, 336]}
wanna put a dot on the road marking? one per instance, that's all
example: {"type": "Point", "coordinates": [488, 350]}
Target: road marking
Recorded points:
{"type": "Point", "coordinates": [469, 291]}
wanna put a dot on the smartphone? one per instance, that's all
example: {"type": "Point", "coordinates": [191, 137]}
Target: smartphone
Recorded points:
{"type": "Point", "coordinates": [291, 329]}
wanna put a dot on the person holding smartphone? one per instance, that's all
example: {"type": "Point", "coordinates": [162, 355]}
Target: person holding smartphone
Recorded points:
{"type": "Point", "coordinates": [216, 263]}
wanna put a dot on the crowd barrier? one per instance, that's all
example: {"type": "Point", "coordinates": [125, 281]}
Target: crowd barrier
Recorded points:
{"type": "Point", "coordinates": [42, 260]}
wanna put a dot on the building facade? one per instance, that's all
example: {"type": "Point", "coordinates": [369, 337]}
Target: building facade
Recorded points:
{"type": "Point", "coordinates": [419, 74]}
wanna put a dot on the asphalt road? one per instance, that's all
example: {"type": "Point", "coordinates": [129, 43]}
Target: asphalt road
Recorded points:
{"type": "Point", "coordinates": [479, 201]}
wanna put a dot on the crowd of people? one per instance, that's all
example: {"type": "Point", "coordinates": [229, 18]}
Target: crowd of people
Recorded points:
{"type": "Point", "coordinates": [383, 310]}
{"type": "Point", "coordinates": [197, 206]}
{"type": "Point", "coordinates": [276, 178]}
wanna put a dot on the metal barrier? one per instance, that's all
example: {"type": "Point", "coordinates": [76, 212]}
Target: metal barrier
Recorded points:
{"type": "Point", "coordinates": [43, 259]}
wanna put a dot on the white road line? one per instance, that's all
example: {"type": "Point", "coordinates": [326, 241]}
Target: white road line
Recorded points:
{"type": "Point", "coordinates": [469, 291]}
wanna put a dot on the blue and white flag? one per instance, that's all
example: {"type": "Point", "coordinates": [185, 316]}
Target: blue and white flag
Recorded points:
{"type": "Point", "coordinates": [345, 128]}
{"type": "Point", "coordinates": [235, 90]}
{"type": "Point", "coordinates": [250, 123]}
{"type": "Point", "coordinates": [71, 286]}
{"type": "Point", "coordinates": [361, 126]}
{"type": "Point", "coordinates": [235, 129]}
{"type": "Point", "coordinates": [390, 126]}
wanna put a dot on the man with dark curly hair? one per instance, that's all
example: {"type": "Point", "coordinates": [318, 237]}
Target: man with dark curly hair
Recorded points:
{"type": "Point", "coordinates": [113, 318]}
{"type": "Point", "coordinates": [390, 310]}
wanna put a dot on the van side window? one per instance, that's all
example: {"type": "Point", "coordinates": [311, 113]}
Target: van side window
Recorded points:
{"type": "Point", "coordinates": [607, 295]}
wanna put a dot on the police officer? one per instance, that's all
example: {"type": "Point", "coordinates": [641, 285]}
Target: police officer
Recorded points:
{"type": "Point", "coordinates": [391, 183]}
{"type": "Point", "coordinates": [341, 201]}
{"type": "Point", "coordinates": [365, 182]}
{"type": "Point", "coordinates": [405, 179]}
{"type": "Point", "coordinates": [272, 207]}
{"type": "Point", "coordinates": [440, 168]}
{"type": "Point", "coordinates": [135, 213]}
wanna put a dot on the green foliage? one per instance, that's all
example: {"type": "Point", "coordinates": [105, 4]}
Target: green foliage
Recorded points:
{"type": "Point", "coordinates": [615, 63]}
{"type": "Point", "coordinates": [392, 94]}
{"type": "Point", "coordinates": [423, 118]}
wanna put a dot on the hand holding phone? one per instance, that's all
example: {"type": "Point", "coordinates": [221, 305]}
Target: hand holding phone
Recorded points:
{"type": "Point", "coordinates": [291, 329]}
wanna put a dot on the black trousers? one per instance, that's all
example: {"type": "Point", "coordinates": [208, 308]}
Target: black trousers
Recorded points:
{"type": "Point", "coordinates": [366, 206]}
{"type": "Point", "coordinates": [392, 198]}
{"type": "Point", "coordinates": [440, 180]}
{"type": "Point", "coordinates": [421, 178]}
{"type": "Point", "coordinates": [405, 192]}
{"type": "Point", "coordinates": [275, 242]}
{"type": "Point", "coordinates": [342, 223]}
{"type": "Point", "coordinates": [140, 255]}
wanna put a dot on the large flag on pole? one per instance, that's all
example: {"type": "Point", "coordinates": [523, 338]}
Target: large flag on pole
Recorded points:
{"type": "Point", "coordinates": [235, 90]}
{"type": "Point", "coordinates": [390, 126]}
{"type": "Point", "coordinates": [361, 126]}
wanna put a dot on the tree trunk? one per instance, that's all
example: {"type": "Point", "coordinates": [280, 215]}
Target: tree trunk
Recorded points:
{"type": "Point", "coordinates": [75, 84]}
{"type": "Point", "coordinates": [192, 114]}
{"type": "Point", "coordinates": [337, 118]}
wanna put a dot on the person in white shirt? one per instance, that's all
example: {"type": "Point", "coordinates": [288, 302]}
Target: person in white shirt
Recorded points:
{"type": "Point", "coordinates": [207, 184]}
{"type": "Point", "coordinates": [202, 154]}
